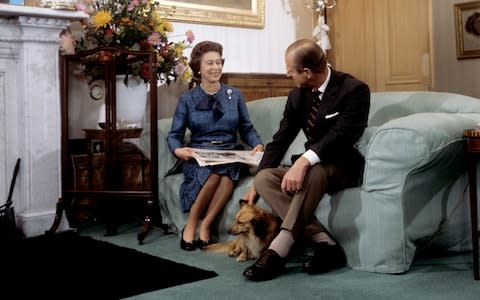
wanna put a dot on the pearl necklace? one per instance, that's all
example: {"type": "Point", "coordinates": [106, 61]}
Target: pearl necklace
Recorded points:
{"type": "Point", "coordinates": [208, 92]}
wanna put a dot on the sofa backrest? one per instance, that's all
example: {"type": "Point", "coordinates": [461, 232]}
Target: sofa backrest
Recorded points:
{"type": "Point", "coordinates": [266, 115]}
{"type": "Point", "coordinates": [386, 106]}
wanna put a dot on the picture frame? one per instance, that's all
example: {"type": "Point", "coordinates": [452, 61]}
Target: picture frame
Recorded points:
{"type": "Point", "coordinates": [467, 24]}
{"type": "Point", "coordinates": [236, 13]}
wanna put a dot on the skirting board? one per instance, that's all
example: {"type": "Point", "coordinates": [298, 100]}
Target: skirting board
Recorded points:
{"type": "Point", "coordinates": [34, 224]}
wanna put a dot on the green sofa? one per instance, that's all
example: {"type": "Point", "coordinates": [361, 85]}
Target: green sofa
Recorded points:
{"type": "Point", "coordinates": [414, 192]}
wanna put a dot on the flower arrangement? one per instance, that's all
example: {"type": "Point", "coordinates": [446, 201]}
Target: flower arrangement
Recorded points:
{"type": "Point", "coordinates": [132, 25]}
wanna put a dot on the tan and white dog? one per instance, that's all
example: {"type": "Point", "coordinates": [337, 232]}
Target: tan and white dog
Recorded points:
{"type": "Point", "coordinates": [254, 227]}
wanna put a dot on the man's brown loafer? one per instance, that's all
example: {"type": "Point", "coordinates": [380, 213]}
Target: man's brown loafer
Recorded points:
{"type": "Point", "coordinates": [326, 258]}
{"type": "Point", "coordinates": [268, 266]}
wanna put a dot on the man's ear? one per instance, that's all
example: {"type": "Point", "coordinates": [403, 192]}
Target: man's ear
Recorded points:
{"type": "Point", "coordinates": [308, 73]}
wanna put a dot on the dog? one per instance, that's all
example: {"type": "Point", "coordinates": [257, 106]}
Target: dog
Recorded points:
{"type": "Point", "coordinates": [254, 228]}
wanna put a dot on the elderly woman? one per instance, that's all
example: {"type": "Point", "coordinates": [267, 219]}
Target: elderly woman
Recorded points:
{"type": "Point", "coordinates": [215, 114]}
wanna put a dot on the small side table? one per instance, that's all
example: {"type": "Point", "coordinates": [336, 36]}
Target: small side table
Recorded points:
{"type": "Point", "coordinates": [472, 137]}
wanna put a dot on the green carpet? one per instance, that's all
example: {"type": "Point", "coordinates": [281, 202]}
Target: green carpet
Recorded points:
{"type": "Point", "coordinates": [444, 277]}
{"type": "Point", "coordinates": [436, 277]}
{"type": "Point", "coordinates": [72, 266]}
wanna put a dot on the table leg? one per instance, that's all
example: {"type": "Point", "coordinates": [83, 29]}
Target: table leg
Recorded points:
{"type": "Point", "coordinates": [472, 169]}
{"type": "Point", "coordinates": [58, 217]}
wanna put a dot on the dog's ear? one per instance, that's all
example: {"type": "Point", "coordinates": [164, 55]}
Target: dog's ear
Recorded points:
{"type": "Point", "coordinates": [242, 202]}
{"type": "Point", "coordinates": [259, 227]}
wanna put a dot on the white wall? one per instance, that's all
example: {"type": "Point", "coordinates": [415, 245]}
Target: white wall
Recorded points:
{"type": "Point", "coordinates": [248, 50]}
{"type": "Point", "coordinates": [451, 74]}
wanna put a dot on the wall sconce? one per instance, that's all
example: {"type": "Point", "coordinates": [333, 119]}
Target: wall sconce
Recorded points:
{"type": "Point", "coordinates": [320, 31]}
{"type": "Point", "coordinates": [320, 5]}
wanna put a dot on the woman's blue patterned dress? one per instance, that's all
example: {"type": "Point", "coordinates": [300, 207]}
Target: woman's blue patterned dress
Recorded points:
{"type": "Point", "coordinates": [215, 122]}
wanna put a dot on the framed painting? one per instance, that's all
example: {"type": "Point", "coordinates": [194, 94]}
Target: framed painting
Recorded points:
{"type": "Point", "coordinates": [467, 23]}
{"type": "Point", "coordinates": [237, 13]}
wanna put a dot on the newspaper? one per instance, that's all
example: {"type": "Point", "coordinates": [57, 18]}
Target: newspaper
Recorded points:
{"type": "Point", "coordinates": [209, 157]}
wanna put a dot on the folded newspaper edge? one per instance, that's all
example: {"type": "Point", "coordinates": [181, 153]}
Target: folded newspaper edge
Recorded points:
{"type": "Point", "coordinates": [209, 157]}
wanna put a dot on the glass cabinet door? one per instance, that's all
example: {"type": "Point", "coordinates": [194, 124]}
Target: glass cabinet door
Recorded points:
{"type": "Point", "coordinates": [109, 139]}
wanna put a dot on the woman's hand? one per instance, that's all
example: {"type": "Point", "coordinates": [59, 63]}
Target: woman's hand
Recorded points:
{"type": "Point", "coordinates": [184, 153]}
{"type": "Point", "coordinates": [257, 148]}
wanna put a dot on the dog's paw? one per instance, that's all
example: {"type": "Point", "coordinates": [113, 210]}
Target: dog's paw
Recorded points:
{"type": "Point", "coordinates": [242, 257]}
{"type": "Point", "coordinates": [233, 252]}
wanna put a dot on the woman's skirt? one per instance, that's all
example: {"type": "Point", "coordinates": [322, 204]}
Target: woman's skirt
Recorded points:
{"type": "Point", "coordinates": [196, 176]}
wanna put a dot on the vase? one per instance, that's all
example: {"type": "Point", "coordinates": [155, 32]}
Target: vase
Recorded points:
{"type": "Point", "coordinates": [101, 116]}
{"type": "Point", "coordinates": [131, 101]}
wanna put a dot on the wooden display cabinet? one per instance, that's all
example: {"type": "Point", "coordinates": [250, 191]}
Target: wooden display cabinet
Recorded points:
{"type": "Point", "coordinates": [107, 175]}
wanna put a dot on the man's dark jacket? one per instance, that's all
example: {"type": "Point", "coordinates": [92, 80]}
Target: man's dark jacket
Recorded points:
{"type": "Point", "coordinates": [341, 119]}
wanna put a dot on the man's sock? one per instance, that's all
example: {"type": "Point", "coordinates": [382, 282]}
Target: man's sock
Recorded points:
{"type": "Point", "coordinates": [282, 243]}
{"type": "Point", "coordinates": [322, 237]}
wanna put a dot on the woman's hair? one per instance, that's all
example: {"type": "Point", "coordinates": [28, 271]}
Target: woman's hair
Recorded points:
{"type": "Point", "coordinates": [470, 24]}
{"type": "Point", "coordinates": [199, 50]}
{"type": "Point", "coordinates": [307, 54]}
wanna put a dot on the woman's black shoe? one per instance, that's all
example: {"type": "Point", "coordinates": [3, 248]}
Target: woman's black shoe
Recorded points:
{"type": "Point", "coordinates": [202, 244]}
{"type": "Point", "coordinates": [187, 246]}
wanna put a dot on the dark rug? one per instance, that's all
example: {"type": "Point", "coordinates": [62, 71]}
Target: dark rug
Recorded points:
{"type": "Point", "coordinates": [70, 266]}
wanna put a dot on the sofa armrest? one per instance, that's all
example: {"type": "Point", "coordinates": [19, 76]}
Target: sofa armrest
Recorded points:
{"type": "Point", "coordinates": [404, 144]}
{"type": "Point", "coordinates": [166, 160]}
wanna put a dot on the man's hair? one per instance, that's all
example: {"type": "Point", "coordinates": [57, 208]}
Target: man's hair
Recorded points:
{"type": "Point", "coordinates": [199, 50]}
{"type": "Point", "coordinates": [307, 54]}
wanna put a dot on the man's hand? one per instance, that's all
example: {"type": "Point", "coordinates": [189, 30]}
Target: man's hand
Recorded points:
{"type": "Point", "coordinates": [250, 195]}
{"type": "Point", "coordinates": [292, 181]}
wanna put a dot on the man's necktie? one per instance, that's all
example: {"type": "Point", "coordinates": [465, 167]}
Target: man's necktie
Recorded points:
{"type": "Point", "coordinates": [312, 116]}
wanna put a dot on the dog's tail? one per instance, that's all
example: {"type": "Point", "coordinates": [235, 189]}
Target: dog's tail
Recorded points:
{"type": "Point", "coordinates": [222, 247]}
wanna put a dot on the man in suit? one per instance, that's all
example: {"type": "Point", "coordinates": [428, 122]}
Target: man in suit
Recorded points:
{"type": "Point", "coordinates": [331, 108]}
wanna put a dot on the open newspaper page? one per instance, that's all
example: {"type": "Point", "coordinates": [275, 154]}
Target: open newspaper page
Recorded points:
{"type": "Point", "coordinates": [209, 157]}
